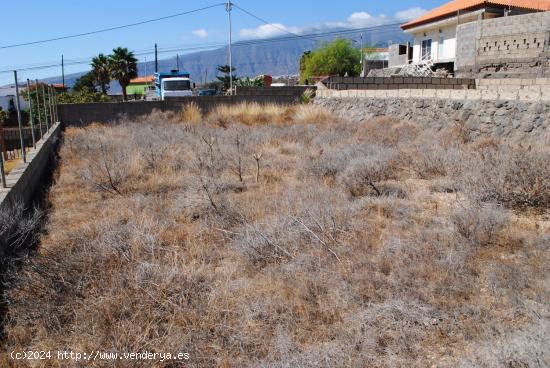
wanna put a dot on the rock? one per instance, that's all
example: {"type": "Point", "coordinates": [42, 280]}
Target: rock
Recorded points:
{"type": "Point", "coordinates": [465, 115]}
{"type": "Point", "coordinates": [527, 127]}
{"type": "Point", "coordinates": [501, 112]}
{"type": "Point", "coordinates": [457, 105]}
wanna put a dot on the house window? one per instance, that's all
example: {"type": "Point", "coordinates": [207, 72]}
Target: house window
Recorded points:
{"type": "Point", "coordinates": [426, 49]}
{"type": "Point", "coordinates": [441, 48]}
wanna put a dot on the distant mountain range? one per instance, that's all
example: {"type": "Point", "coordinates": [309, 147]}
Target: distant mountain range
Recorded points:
{"type": "Point", "coordinates": [276, 57]}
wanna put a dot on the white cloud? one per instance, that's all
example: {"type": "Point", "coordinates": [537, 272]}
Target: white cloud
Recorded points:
{"type": "Point", "coordinates": [355, 20]}
{"type": "Point", "coordinates": [267, 30]}
{"type": "Point", "coordinates": [408, 14]}
{"type": "Point", "coordinates": [364, 19]}
{"type": "Point", "coordinates": [201, 33]}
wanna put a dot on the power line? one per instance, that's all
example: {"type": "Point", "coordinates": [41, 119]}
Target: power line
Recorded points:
{"type": "Point", "coordinates": [111, 28]}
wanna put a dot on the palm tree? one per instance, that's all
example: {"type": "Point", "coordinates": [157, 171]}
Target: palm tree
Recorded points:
{"type": "Point", "coordinates": [123, 67]}
{"type": "Point", "coordinates": [101, 72]}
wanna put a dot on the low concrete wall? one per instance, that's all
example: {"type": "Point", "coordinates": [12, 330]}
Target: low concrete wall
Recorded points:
{"type": "Point", "coordinates": [295, 91]}
{"type": "Point", "coordinates": [106, 112]}
{"type": "Point", "coordinates": [26, 178]}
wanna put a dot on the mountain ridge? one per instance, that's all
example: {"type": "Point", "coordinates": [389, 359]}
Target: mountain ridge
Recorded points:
{"type": "Point", "coordinates": [275, 56]}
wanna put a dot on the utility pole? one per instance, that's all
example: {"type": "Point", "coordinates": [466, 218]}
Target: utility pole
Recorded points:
{"type": "Point", "coordinates": [228, 8]}
{"type": "Point", "coordinates": [63, 71]}
{"type": "Point", "coordinates": [145, 65]}
{"type": "Point", "coordinates": [156, 59]}
{"type": "Point", "coordinates": [30, 113]}
{"type": "Point", "coordinates": [178, 62]}
{"type": "Point", "coordinates": [18, 106]}
{"type": "Point", "coordinates": [362, 61]}
{"type": "Point", "coordinates": [38, 108]}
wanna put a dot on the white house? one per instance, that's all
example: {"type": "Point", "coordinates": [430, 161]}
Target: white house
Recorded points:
{"type": "Point", "coordinates": [434, 33]}
{"type": "Point", "coordinates": [7, 94]}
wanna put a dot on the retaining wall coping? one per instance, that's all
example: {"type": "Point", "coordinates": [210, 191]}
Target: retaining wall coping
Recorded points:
{"type": "Point", "coordinates": [507, 94]}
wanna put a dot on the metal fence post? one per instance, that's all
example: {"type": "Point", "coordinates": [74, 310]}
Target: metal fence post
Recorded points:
{"type": "Point", "coordinates": [3, 150]}
{"type": "Point", "coordinates": [38, 108]}
{"type": "Point", "coordinates": [45, 107]}
{"type": "Point", "coordinates": [2, 174]}
{"type": "Point", "coordinates": [55, 104]}
{"type": "Point", "coordinates": [30, 113]}
{"type": "Point", "coordinates": [50, 104]}
{"type": "Point", "coordinates": [18, 106]}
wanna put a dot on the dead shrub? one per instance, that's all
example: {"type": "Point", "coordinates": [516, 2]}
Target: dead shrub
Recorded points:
{"type": "Point", "coordinates": [18, 229]}
{"type": "Point", "coordinates": [514, 177]}
{"type": "Point", "coordinates": [479, 223]}
{"type": "Point", "coordinates": [106, 165]}
{"type": "Point", "coordinates": [429, 162]}
{"type": "Point", "coordinates": [387, 131]}
{"type": "Point", "coordinates": [362, 175]}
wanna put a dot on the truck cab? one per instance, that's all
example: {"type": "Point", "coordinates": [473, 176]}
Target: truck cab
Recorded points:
{"type": "Point", "coordinates": [173, 84]}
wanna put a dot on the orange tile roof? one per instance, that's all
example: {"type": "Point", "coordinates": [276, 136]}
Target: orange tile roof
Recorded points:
{"type": "Point", "coordinates": [451, 8]}
{"type": "Point", "coordinates": [146, 79]}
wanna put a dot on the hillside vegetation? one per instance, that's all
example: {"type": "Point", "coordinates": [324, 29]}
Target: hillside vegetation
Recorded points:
{"type": "Point", "coordinates": [284, 237]}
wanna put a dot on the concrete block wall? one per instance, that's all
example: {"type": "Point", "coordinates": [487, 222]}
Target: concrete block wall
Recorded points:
{"type": "Point", "coordinates": [78, 114]}
{"type": "Point", "coordinates": [24, 180]}
{"type": "Point", "coordinates": [465, 59]}
{"type": "Point", "coordinates": [395, 57]}
{"type": "Point", "coordinates": [513, 45]}
{"type": "Point", "coordinates": [395, 83]}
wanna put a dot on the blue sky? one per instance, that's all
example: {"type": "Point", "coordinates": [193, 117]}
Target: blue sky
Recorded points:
{"type": "Point", "coordinates": [38, 19]}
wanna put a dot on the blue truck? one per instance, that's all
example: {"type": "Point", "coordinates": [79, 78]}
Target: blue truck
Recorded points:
{"type": "Point", "coordinates": [175, 83]}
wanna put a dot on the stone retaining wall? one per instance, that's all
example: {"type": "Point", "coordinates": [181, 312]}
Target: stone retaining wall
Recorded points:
{"type": "Point", "coordinates": [516, 120]}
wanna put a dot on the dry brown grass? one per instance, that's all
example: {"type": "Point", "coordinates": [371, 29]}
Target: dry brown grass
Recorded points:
{"type": "Point", "coordinates": [253, 114]}
{"type": "Point", "coordinates": [191, 114]}
{"type": "Point", "coordinates": [161, 238]}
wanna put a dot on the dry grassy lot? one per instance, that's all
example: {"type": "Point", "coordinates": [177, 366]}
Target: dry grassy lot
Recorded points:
{"type": "Point", "coordinates": [284, 237]}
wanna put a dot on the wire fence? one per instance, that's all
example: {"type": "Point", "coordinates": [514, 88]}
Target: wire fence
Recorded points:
{"type": "Point", "coordinates": [10, 141]}
{"type": "Point", "coordinates": [16, 142]}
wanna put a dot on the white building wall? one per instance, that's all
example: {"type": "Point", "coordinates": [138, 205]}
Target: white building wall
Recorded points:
{"type": "Point", "coordinates": [449, 43]}
{"type": "Point", "coordinates": [5, 102]}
